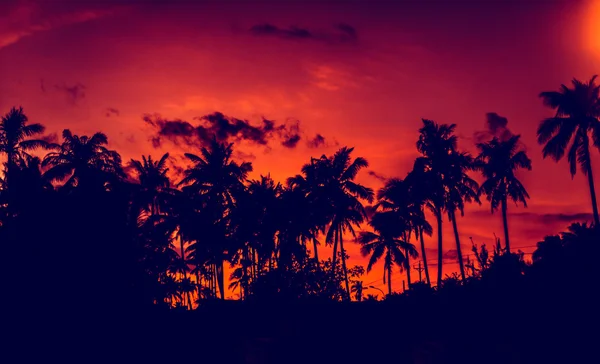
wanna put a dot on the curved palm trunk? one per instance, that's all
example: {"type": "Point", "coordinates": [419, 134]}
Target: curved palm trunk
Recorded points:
{"type": "Point", "coordinates": [458, 251]}
{"type": "Point", "coordinates": [221, 279]}
{"type": "Point", "coordinates": [592, 189]}
{"type": "Point", "coordinates": [344, 263]}
{"type": "Point", "coordinates": [389, 272]}
{"type": "Point", "coordinates": [505, 222]}
{"type": "Point", "coordinates": [335, 244]}
{"type": "Point", "coordinates": [316, 252]}
{"type": "Point", "coordinates": [424, 257]}
{"type": "Point", "coordinates": [407, 267]}
{"type": "Point", "coordinates": [407, 263]}
{"type": "Point", "coordinates": [440, 253]}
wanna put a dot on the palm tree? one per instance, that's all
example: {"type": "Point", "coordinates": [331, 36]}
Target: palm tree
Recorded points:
{"type": "Point", "coordinates": [83, 162]}
{"type": "Point", "coordinates": [357, 289]}
{"type": "Point", "coordinates": [15, 142]}
{"type": "Point", "coordinates": [332, 191]}
{"type": "Point", "coordinates": [385, 241]}
{"type": "Point", "coordinates": [460, 188]}
{"type": "Point", "coordinates": [400, 198]}
{"type": "Point", "coordinates": [421, 197]}
{"type": "Point", "coordinates": [345, 195]}
{"type": "Point", "coordinates": [153, 179]}
{"type": "Point", "coordinates": [437, 144]}
{"type": "Point", "coordinates": [215, 180]}
{"type": "Point", "coordinates": [575, 121]}
{"type": "Point", "coordinates": [498, 161]}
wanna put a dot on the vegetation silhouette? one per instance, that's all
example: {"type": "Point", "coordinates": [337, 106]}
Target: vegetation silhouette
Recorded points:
{"type": "Point", "coordinates": [91, 244]}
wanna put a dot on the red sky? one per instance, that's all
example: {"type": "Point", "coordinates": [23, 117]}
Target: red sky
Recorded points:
{"type": "Point", "coordinates": [100, 65]}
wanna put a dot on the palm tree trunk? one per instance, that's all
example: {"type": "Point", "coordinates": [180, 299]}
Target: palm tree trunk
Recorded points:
{"type": "Point", "coordinates": [389, 272]}
{"type": "Point", "coordinates": [461, 265]}
{"type": "Point", "coordinates": [505, 221]}
{"type": "Point", "coordinates": [592, 190]}
{"type": "Point", "coordinates": [407, 267]}
{"type": "Point", "coordinates": [182, 256]}
{"type": "Point", "coordinates": [344, 263]}
{"type": "Point", "coordinates": [424, 257]}
{"type": "Point", "coordinates": [316, 252]}
{"type": "Point", "coordinates": [440, 253]}
{"type": "Point", "coordinates": [335, 243]}
{"type": "Point", "coordinates": [221, 279]}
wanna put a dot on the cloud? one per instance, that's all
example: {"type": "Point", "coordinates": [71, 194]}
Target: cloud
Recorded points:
{"type": "Point", "coordinates": [42, 85]}
{"type": "Point", "coordinates": [224, 128]}
{"type": "Point", "coordinates": [376, 175]}
{"type": "Point", "coordinates": [50, 138]}
{"type": "Point", "coordinates": [28, 18]}
{"type": "Point", "coordinates": [341, 33]}
{"type": "Point", "coordinates": [316, 142]}
{"type": "Point", "coordinates": [495, 126]}
{"type": "Point", "coordinates": [238, 154]}
{"type": "Point", "coordinates": [74, 93]}
{"type": "Point", "coordinates": [110, 111]}
{"type": "Point", "coordinates": [553, 218]}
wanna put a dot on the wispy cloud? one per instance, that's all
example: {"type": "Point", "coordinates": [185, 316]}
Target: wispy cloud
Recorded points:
{"type": "Point", "coordinates": [341, 33]}
{"type": "Point", "coordinates": [27, 18]}
{"type": "Point", "coordinates": [111, 111]}
{"type": "Point", "coordinates": [73, 93]}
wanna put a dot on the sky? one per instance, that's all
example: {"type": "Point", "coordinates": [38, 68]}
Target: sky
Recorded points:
{"type": "Point", "coordinates": [325, 74]}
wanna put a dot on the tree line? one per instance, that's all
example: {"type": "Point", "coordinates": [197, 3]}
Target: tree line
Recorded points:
{"type": "Point", "coordinates": [77, 222]}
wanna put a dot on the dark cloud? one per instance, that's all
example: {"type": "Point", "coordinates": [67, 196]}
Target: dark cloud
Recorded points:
{"type": "Point", "coordinates": [238, 154]}
{"type": "Point", "coordinates": [555, 218]}
{"type": "Point", "coordinates": [224, 129]}
{"type": "Point", "coordinates": [74, 93]}
{"type": "Point", "coordinates": [376, 175]}
{"type": "Point", "coordinates": [451, 254]}
{"type": "Point", "coordinates": [348, 31]}
{"type": "Point", "coordinates": [495, 126]}
{"type": "Point", "coordinates": [50, 138]}
{"type": "Point", "coordinates": [111, 111]}
{"type": "Point", "coordinates": [343, 33]}
{"type": "Point", "coordinates": [316, 142]}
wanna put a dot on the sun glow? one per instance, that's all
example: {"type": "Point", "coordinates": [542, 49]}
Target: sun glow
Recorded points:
{"type": "Point", "coordinates": [592, 27]}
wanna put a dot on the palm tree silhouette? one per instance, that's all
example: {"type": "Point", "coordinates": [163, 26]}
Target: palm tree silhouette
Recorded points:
{"type": "Point", "coordinates": [498, 161]}
{"type": "Point", "coordinates": [437, 144]}
{"type": "Point", "coordinates": [345, 196]}
{"type": "Point", "coordinates": [401, 198]}
{"type": "Point", "coordinates": [576, 120]}
{"type": "Point", "coordinates": [333, 193]}
{"type": "Point", "coordinates": [153, 179]}
{"type": "Point", "coordinates": [15, 142]}
{"type": "Point", "coordinates": [217, 179]}
{"type": "Point", "coordinates": [460, 188]}
{"type": "Point", "coordinates": [385, 242]}
{"type": "Point", "coordinates": [83, 162]}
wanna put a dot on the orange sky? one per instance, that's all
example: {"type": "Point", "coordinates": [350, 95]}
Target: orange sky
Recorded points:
{"type": "Point", "coordinates": [68, 62]}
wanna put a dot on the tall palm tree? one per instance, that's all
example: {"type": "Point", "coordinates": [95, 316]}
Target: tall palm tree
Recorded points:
{"type": "Point", "coordinates": [438, 145]}
{"type": "Point", "coordinates": [153, 179]}
{"type": "Point", "coordinates": [575, 121]}
{"type": "Point", "coordinates": [217, 180]}
{"type": "Point", "coordinates": [400, 198]}
{"type": "Point", "coordinates": [83, 162]}
{"type": "Point", "coordinates": [460, 188]}
{"type": "Point", "coordinates": [15, 139]}
{"type": "Point", "coordinates": [345, 198]}
{"type": "Point", "coordinates": [498, 161]}
{"type": "Point", "coordinates": [385, 242]}
{"type": "Point", "coordinates": [422, 197]}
